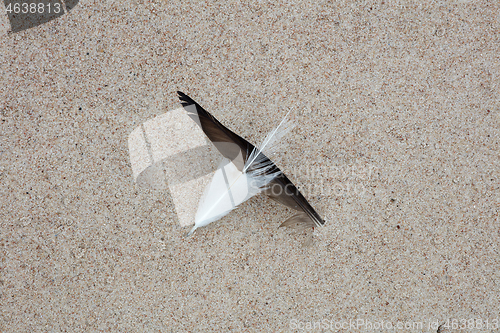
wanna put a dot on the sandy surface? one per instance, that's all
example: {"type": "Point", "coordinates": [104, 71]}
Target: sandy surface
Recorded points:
{"type": "Point", "coordinates": [397, 148]}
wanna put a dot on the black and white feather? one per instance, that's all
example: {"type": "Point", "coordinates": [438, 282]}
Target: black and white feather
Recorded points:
{"type": "Point", "coordinates": [246, 171]}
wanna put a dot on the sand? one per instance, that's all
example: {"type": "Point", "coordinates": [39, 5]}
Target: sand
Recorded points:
{"type": "Point", "coordinates": [397, 148]}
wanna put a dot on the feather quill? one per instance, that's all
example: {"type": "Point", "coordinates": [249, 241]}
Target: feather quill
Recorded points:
{"type": "Point", "coordinates": [245, 172]}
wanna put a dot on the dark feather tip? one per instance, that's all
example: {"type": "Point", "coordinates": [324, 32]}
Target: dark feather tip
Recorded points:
{"type": "Point", "coordinates": [185, 99]}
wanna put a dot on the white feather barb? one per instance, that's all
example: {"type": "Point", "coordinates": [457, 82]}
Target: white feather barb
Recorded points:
{"type": "Point", "coordinates": [270, 145]}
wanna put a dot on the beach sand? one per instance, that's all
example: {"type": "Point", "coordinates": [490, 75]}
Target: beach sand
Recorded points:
{"type": "Point", "coordinates": [396, 146]}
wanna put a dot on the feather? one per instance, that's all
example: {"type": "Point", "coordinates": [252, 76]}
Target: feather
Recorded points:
{"type": "Point", "coordinates": [228, 188]}
{"type": "Point", "coordinates": [270, 144]}
{"type": "Point", "coordinates": [229, 144]}
{"type": "Point", "coordinates": [246, 171]}
{"type": "Point", "coordinates": [282, 190]}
